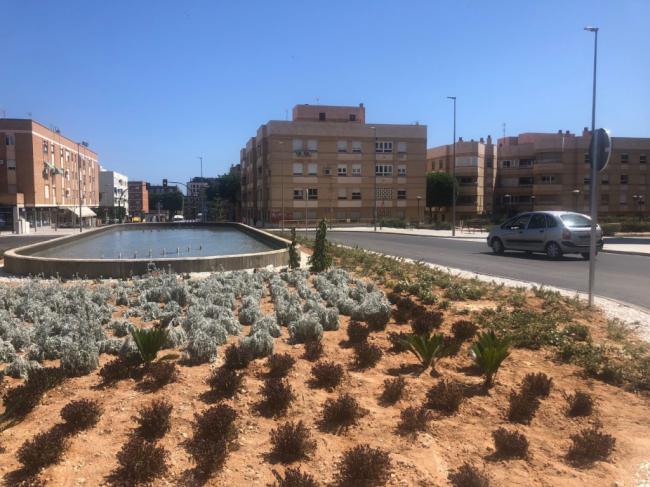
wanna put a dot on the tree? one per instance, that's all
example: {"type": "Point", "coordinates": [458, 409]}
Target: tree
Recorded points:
{"type": "Point", "coordinates": [321, 259]}
{"type": "Point", "coordinates": [440, 190]}
{"type": "Point", "coordinates": [171, 201]}
{"type": "Point", "coordinates": [294, 255]}
{"type": "Point", "coordinates": [226, 189]}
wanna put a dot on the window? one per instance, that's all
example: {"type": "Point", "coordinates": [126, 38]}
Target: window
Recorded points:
{"type": "Point", "coordinates": [384, 147]}
{"type": "Point", "coordinates": [353, 117]}
{"type": "Point", "coordinates": [506, 164]}
{"type": "Point", "coordinates": [384, 170]}
{"type": "Point", "coordinates": [401, 170]}
{"type": "Point", "coordinates": [624, 178]}
{"type": "Point", "coordinates": [297, 169]}
{"type": "Point", "coordinates": [11, 165]}
{"type": "Point", "coordinates": [312, 145]}
{"type": "Point", "coordinates": [321, 116]}
{"type": "Point", "coordinates": [520, 222]}
{"type": "Point", "coordinates": [298, 194]}
{"type": "Point", "coordinates": [356, 169]}
{"type": "Point", "coordinates": [467, 180]}
{"type": "Point", "coordinates": [45, 147]}
{"type": "Point", "coordinates": [466, 200]}
{"type": "Point", "coordinates": [551, 222]}
{"type": "Point", "coordinates": [47, 192]}
{"type": "Point", "coordinates": [385, 194]}
{"type": "Point", "coordinates": [342, 146]}
{"type": "Point", "coordinates": [605, 179]}
{"type": "Point", "coordinates": [312, 193]}
{"type": "Point", "coordinates": [356, 146]}
{"type": "Point", "coordinates": [343, 194]}
{"type": "Point", "coordinates": [297, 144]}
{"type": "Point", "coordinates": [586, 181]}
{"type": "Point", "coordinates": [401, 194]}
{"type": "Point", "coordinates": [604, 199]}
{"type": "Point", "coordinates": [538, 220]}
{"type": "Point", "coordinates": [312, 169]}
{"type": "Point", "coordinates": [643, 159]}
{"type": "Point", "coordinates": [342, 170]}
{"type": "Point", "coordinates": [401, 147]}
{"type": "Point", "coordinates": [622, 199]}
{"type": "Point", "coordinates": [356, 194]}
{"type": "Point", "coordinates": [548, 179]}
{"type": "Point", "coordinates": [625, 158]}
{"type": "Point", "coordinates": [525, 162]}
{"type": "Point", "coordinates": [576, 220]}
{"type": "Point", "coordinates": [586, 158]}
{"type": "Point", "coordinates": [10, 139]}
{"type": "Point", "coordinates": [526, 181]}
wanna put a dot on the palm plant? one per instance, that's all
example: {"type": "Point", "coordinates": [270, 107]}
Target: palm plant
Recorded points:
{"type": "Point", "coordinates": [489, 352]}
{"type": "Point", "coordinates": [426, 348]}
{"type": "Point", "coordinates": [149, 341]}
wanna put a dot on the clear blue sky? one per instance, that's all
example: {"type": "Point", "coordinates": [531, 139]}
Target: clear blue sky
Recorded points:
{"type": "Point", "coordinates": [154, 84]}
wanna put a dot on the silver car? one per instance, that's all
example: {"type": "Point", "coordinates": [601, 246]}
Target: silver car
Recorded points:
{"type": "Point", "coordinates": [553, 232]}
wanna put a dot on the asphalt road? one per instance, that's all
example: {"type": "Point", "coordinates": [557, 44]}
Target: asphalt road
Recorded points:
{"type": "Point", "coordinates": [622, 277]}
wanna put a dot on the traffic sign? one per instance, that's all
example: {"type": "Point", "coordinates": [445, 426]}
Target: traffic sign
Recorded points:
{"type": "Point", "coordinates": [600, 149]}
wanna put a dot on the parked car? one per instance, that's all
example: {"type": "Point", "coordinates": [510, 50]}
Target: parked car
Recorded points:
{"type": "Point", "coordinates": [554, 233]}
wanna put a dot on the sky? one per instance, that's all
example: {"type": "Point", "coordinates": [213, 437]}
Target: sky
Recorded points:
{"type": "Point", "coordinates": [154, 84]}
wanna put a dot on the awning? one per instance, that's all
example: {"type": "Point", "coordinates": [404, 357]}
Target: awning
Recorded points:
{"type": "Point", "coordinates": [85, 211]}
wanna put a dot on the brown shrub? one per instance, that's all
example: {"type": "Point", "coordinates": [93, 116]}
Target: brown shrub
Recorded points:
{"type": "Point", "coordinates": [445, 397]}
{"type": "Point", "coordinates": [154, 420]}
{"type": "Point", "coordinates": [364, 466]}
{"type": "Point", "coordinates": [291, 441]}
{"type": "Point", "coordinates": [141, 461]}
{"type": "Point", "coordinates": [591, 444]}
{"type": "Point", "coordinates": [393, 390]}
{"type": "Point", "coordinates": [366, 355]}
{"type": "Point", "coordinates": [427, 322]}
{"type": "Point", "coordinates": [538, 384]}
{"type": "Point", "coordinates": [214, 435]}
{"type": "Point", "coordinates": [357, 332]}
{"type": "Point", "coordinates": [294, 477]}
{"type": "Point", "coordinates": [468, 475]}
{"type": "Point", "coordinates": [342, 412]}
{"type": "Point", "coordinates": [225, 383]}
{"type": "Point", "coordinates": [43, 449]}
{"type": "Point", "coordinates": [522, 407]}
{"type": "Point", "coordinates": [313, 350]}
{"type": "Point", "coordinates": [579, 404]}
{"type": "Point", "coordinates": [277, 396]}
{"type": "Point", "coordinates": [280, 364]}
{"type": "Point", "coordinates": [326, 374]}
{"type": "Point", "coordinates": [464, 330]}
{"type": "Point", "coordinates": [413, 419]}
{"type": "Point", "coordinates": [81, 414]}
{"type": "Point", "coordinates": [510, 443]}
{"type": "Point", "coordinates": [237, 357]}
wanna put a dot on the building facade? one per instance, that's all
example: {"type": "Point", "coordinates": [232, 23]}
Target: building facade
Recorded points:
{"type": "Point", "coordinates": [475, 173]}
{"type": "Point", "coordinates": [45, 177]}
{"type": "Point", "coordinates": [197, 188]}
{"type": "Point", "coordinates": [327, 162]}
{"type": "Point", "coordinates": [138, 199]}
{"type": "Point", "coordinates": [551, 171]}
{"type": "Point", "coordinates": [113, 190]}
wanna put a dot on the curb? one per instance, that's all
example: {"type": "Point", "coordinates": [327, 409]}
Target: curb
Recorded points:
{"type": "Point", "coordinates": [625, 252]}
{"type": "Point", "coordinates": [407, 234]}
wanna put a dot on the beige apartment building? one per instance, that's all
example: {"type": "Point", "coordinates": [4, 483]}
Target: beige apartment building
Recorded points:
{"type": "Point", "coordinates": [327, 162]}
{"type": "Point", "coordinates": [40, 184]}
{"type": "Point", "coordinates": [475, 173]}
{"type": "Point", "coordinates": [551, 171]}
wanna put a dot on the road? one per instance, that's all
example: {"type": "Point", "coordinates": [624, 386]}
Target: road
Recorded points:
{"type": "Point", "coordinates": [622, 277]}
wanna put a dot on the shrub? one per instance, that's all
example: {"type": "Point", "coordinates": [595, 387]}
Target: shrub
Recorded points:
{"type": "Point", "coordinates": [327, 374]}
{"type": "Point", "coordinates": [277, 395]}
{"type": "Point", "coordinates": [579, 404]}
{"type": "Point", "coordinates": [43, 449]}
{"type": "Point", "coordinates": [357, 332]}
{"type": "Point", "coordinates": [306, 329]}
{"type": "Point", "coordinates": [294, 477]}
{"type": "Point", "coordinates": [464, 330]}
{"type": "Point", "coordinates": [154, 420]}
{"type": "Point", "coordinates": [141, 461]}
{"type": "Point", "coordinates": [577, 332]}
{"type": "Point", "coordinates": [79, 358]}
{"type": "Point", "coordinates": [468, 475]}
{"type": "Point", "coordinates": [374, 310]}
{"type": "Point", "coordinates": [149, 341]}
{"type": "Point", "coordinates": [313, 350]}
{"type": "Point", "coordinates": [489, 352]}
{"type": "Point", "coordinates": [294, 254]}
{"type": "Point", "coordinates": [116, 370]}
{"type": "Point", "coordinates": [393, 390]}
{"type": "Point", "coordinates": [367, 355]}
{"type": "Point", "coordinates": [414, 419]}
{"type": "Point", "coordinates": [405, 309]}
{"type": "Point", "coordinates": [259, 344]}
{"type": "Point", "coordinates": [81, 414]}
{"type": "Point", "coordinates": [445, 397]}
{"type": "Point", "coordinates": [424, 324]}
{"type": "Point", "coordinates": [291, 441]}
{"type": "Point", "coordinates": [426, 348]}
{"type": "Point", "coordinates": [364, 466]}
{"type": "Point", "coordinates": [321, 259]}
{"type": "Point", "coordinates": [522, 407]}
{"type": "Point", "coordinates": [280, 364]}
{"type": "Point", "coordinates": [225, 382]}
{"type": "Point", "coordinates": [510, 443]}
{"type": "Point", "coordinates": [538, 384]}
{"type": "Point", "coordinates": [20, 400]}
{"type": "Point", "coordinates": [162, 373]}
{"type": "Point", "coordinates": [237, 357]}
{"type": "Point", "coordinates": [214, 435]}
{"type": "Point", "coordinates": [342, 412]}
{"type": "Point", "coordinates": [591, 444]}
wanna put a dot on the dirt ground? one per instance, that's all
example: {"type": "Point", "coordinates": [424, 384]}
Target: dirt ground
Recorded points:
{"type": "Point", "coordinates": [424, 459]}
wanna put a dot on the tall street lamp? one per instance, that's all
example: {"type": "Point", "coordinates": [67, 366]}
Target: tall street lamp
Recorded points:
{"type": "Point", "coordinates": [85, 144]}
{"type": "Point", "coordinates": [532, 203]}
{"type": "Point", "coordinates": [507, 198]}
{"type": "Point", "coordinates": [374, 130]}
{"type": "Point", "coordinates": [419, 198]}
{"type": "Point", "coordinates": [453, 176]}
{"type": "Point", "coordinates": [594, 176]}
{"type": "Point", "coordinates": [576, 193]}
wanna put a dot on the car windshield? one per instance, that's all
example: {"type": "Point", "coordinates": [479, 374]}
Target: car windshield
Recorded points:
{"type": "Point", "coordinates": [575, 220]}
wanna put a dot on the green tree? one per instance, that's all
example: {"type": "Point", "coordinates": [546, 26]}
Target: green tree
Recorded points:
{"type": "Point", "coordinates": [294, 255]}
{"type": "Point", "coordinates": [440, 190]}
{"type": "Point", "coordinates": [171, 201]}
{"type": "Point", "coordinates": [226, 189]}
{"type": "Point", "coordinates": [321, 259]}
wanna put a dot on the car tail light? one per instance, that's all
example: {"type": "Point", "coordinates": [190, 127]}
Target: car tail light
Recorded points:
{"type": "Point", "coordinates": [566, 234]}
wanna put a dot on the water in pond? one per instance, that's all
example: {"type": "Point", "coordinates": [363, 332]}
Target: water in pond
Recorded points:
{"type": "Point", "coordinates": [156, 243]}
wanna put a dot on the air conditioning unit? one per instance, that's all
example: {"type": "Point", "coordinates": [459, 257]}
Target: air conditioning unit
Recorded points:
{"type": "Point", "coordinates": [327, 171]}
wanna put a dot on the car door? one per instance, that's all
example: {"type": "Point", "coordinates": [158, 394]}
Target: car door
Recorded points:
{"type": "Point", "coordinates": [513, 234]}
{"type": "Point", "coordinates": [534, 236]}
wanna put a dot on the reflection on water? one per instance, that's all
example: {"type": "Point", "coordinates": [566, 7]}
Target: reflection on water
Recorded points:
{"type": "Point", "coordinates": [156, 243]}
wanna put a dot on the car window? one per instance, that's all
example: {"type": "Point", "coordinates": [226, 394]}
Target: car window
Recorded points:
{"type": "Point", "coordinates": [538, 220]}
{"type": "Point", "coordinates": [551, 222]}
{"type": "Point", "coordinates": [521, 221]}
{"type": "Point", "coordinates": [576, 220]}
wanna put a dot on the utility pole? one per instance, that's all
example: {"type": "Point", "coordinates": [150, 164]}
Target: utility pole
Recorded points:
{"type": "Point", "coordinates": [374, 129]}
{"type": "Point", "coordinates": [453, 176]}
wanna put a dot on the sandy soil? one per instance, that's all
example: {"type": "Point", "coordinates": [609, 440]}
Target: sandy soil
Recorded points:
{"type": "Point", "coordinates": [421, 460]}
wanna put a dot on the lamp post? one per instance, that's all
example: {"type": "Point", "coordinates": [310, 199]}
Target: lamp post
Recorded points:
{"type": "Point", "coordinates": [453, 176]}
{"type": "Point", "coordinates": [532, 203]}
{"type": "Point", "coordinates": [85, 144]}
{"type": "Point", "coordinates": [419, 198]}
{"type": "Point", "coordinates": [576, 193]}
{"type": "Point", "coordinates": [507, 197]}
{"type": "Point", "coordinates": [374, 219]}
{"type": "Point", "coordinates": [594, 176]}
{"type": "Point", "coordinates": [638, 199]}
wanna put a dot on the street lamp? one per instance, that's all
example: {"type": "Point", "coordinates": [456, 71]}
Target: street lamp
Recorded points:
{"type": "Point", "coordinates": [374, 129]}
{"type": "Point", "coordinates": [507, 198]}
{"type": "Point", "coordinates": [85, 144]}
{"type": "Point", "coordinates": [532, 203]}
{"type": "Point", "coordinates": [453, 176]}
{"type": "Point", "coordinates": [576, 193]}
{"type": "Point", "coordinates": [419, 198]}
{"type": "Point", "coordinates": [638, 198]}
{"type": "Point", "coordinates": [594, 176]}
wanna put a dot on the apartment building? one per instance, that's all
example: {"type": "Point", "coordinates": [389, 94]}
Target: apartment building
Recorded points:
{"type": "Point", "coordinates": [113, 190]}
{"type": "Point", "coordinates": [197, 189]}
{"type": "Point", "coordinates": [475, 173]}
{"type": "Point", "coordinates": [138, 199]}
{"type": "Point", "coordinates": [550, 171]}
{"type": "Point", "coordinates": [327, 162]}
{"type": "Point", "coordinates": [45, 177]}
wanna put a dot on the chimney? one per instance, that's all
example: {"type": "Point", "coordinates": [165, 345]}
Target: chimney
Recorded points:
{"type": "Point", "coordinates": [559, 131]}
{"type": "Point", "coordinates": [481, 141]}
{"type": "Point", "coordinates": [585, 131]}
{"type": "Point", "coordinates": [460, 139]}
{"type": "Point", "coordinates": [361, 105]}
{"type": "Point", "coordinates": [567, 132]}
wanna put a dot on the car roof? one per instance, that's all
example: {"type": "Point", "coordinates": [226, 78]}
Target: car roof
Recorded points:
{"type": "Point", "coordinates": [552, 212]}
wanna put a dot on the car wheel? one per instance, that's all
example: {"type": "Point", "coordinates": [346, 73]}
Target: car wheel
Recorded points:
{"type": "Point", "coordinates": [553, 250]}
{"type": "Point", "coordinates": [497, 246]}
